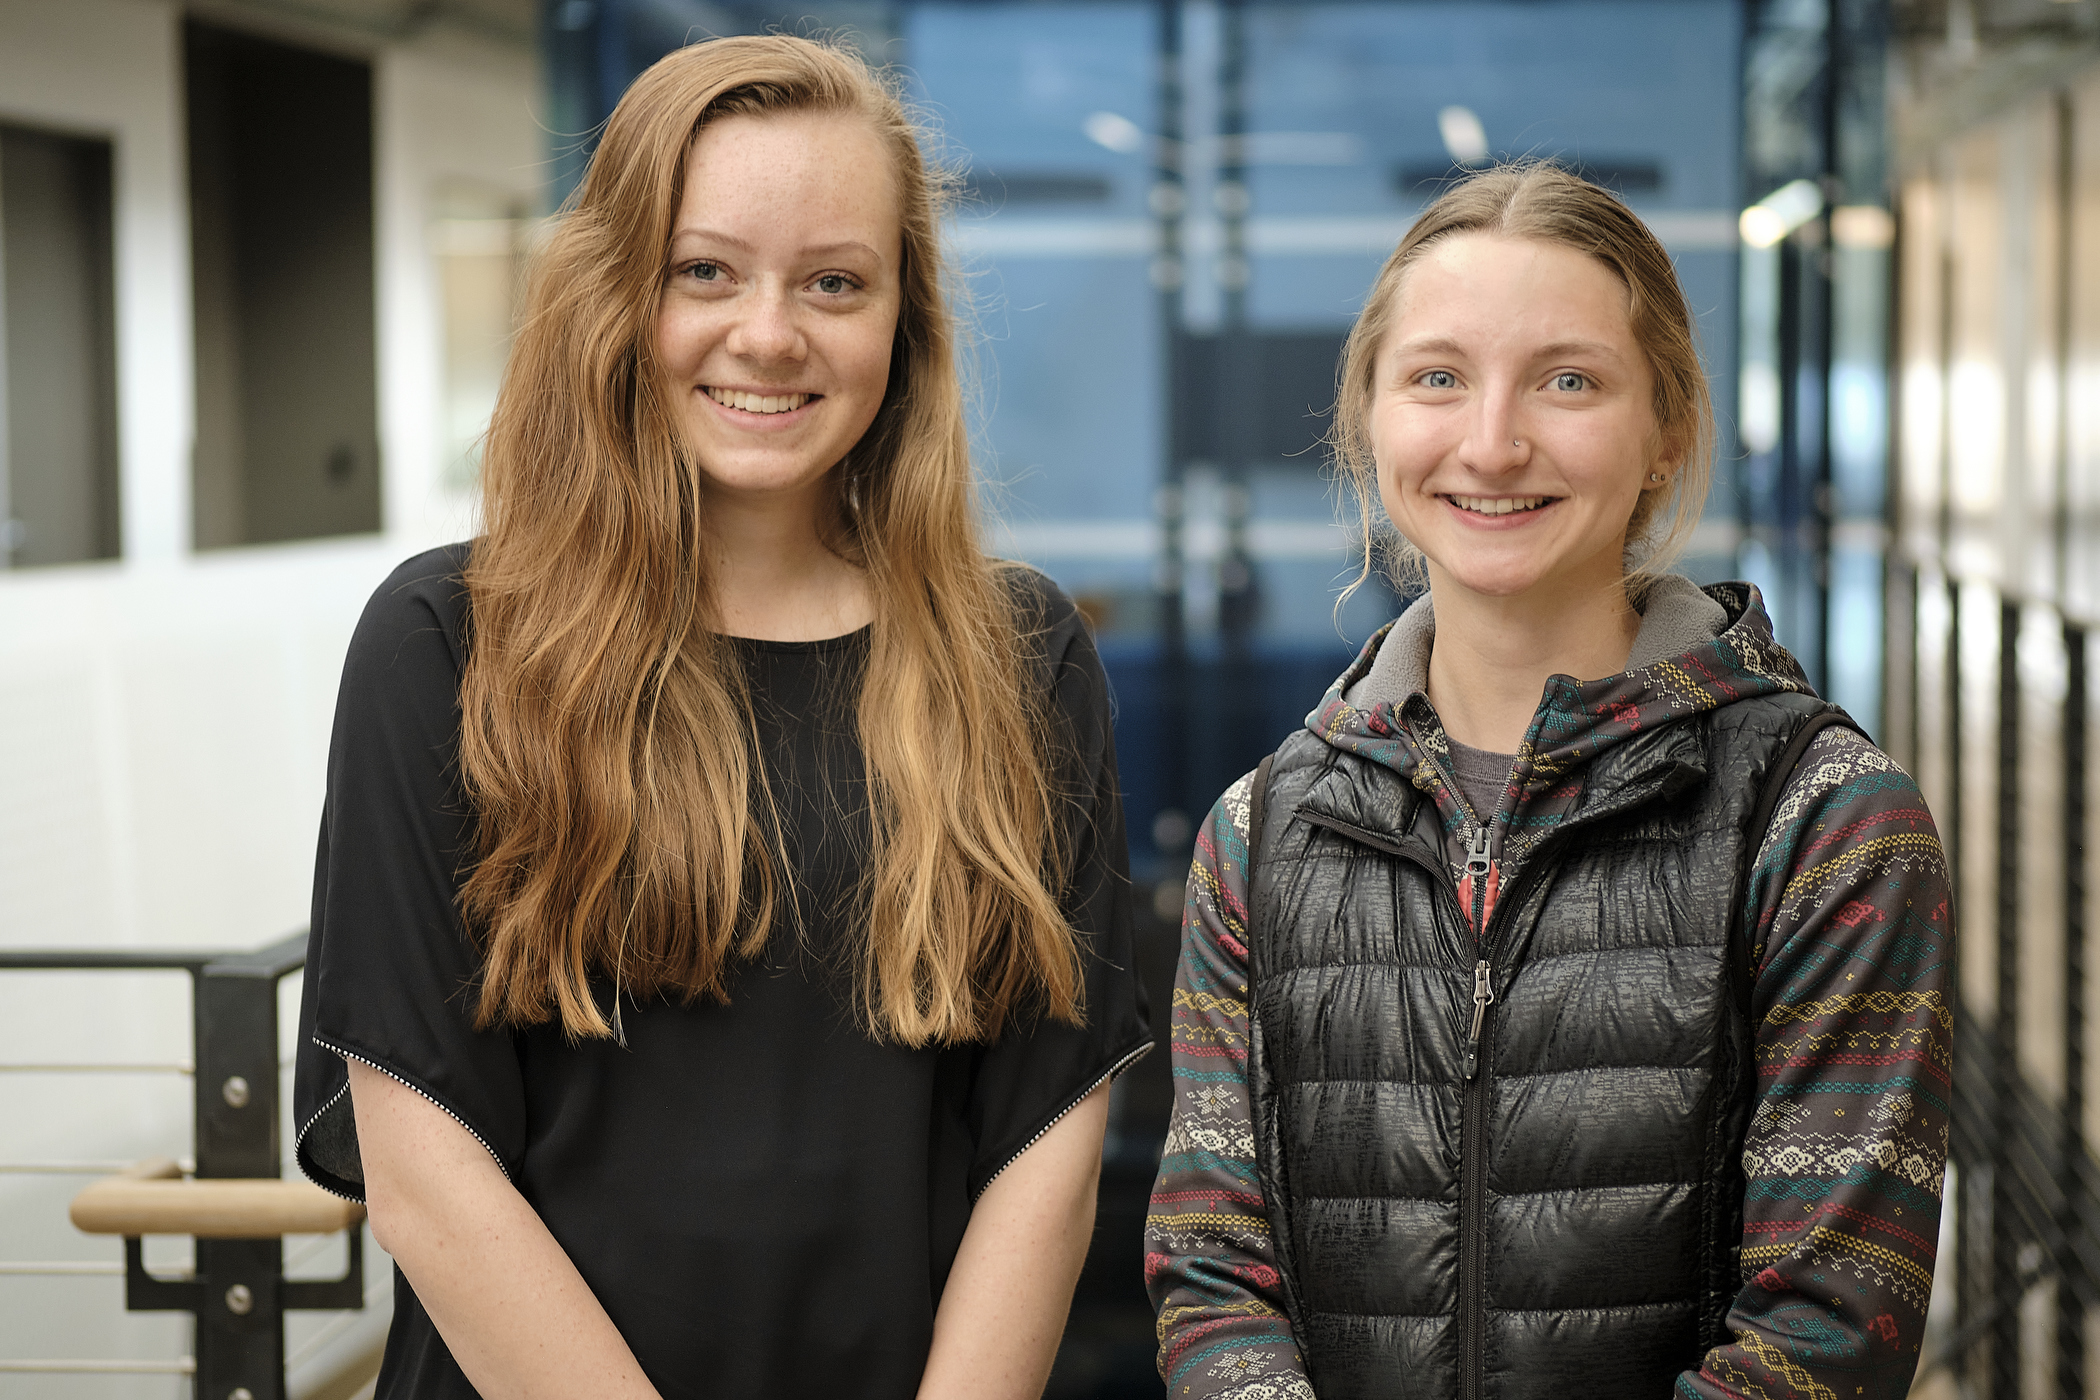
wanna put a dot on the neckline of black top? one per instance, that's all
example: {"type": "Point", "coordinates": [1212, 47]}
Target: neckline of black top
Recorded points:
{"type": "Point", "coordinates": [817, 646]}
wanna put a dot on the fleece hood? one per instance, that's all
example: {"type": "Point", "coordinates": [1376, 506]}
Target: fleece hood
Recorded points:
{"type": "Point", "coordinates": [1698, 650]}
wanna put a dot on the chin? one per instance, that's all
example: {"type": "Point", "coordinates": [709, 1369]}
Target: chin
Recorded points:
{"type": "Point", "coordinates": [1499, 579]}
{"type": "Point", "coordinates": [1498, 587]}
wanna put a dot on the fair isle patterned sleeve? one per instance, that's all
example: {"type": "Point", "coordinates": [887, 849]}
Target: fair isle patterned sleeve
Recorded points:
{"type": "Point", "coordinates": [1209, 1263]}
{"type": "Point", "coordinates": [1854, 1053]}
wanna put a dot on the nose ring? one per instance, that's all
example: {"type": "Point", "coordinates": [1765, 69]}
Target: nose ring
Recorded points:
{"type": "Point", "coordinates": [1516, 442]}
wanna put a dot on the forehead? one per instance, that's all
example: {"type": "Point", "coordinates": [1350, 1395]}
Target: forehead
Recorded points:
{"type": "Point", "coordinates": [790, 171]}
{"type": "Point", "coordinates": [1505, 288]}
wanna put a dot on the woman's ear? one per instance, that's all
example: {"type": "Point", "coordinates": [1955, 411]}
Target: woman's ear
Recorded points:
{"type": "Point", "coordinates": [1663, 468]}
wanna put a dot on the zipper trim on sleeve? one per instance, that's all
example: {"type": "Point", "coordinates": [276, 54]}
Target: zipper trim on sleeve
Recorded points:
{"type": "Point", "coordinates": [1113, 1070]}
{"type": "Point", "coordinates": [299, 1141]}
{"type": "Point", "coordinates": [307, 1127]}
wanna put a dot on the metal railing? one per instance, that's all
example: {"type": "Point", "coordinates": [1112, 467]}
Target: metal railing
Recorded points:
{"type": "Point", "coordinates": [237, 1290]}
{"type": "Point", "coordinates": [2026, 1185]}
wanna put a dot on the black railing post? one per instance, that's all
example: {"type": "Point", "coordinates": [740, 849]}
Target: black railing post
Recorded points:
{"type": "Point", "coordinates": [240, 1328]}
{"type": "Point", "coordinates": [2073, 1288]}
{"type": "Point", "coordinates": [2072, 1285]}
{"type": "Point", "coordinates": [2006, 1283]}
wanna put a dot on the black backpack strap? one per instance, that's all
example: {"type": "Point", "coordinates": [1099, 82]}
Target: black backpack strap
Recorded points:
{"type": "Point", "coordinates": [1257, 804]}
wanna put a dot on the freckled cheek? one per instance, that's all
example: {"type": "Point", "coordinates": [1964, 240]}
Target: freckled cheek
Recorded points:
{"type": "Point", "coordinates": [1608, 463]}
{"type": "Point", "coordinates": [1395, 493]}
{"type": "Point", "coordinates": [1403, 451]}
{"type": "Point", "coordinates": [674, 342]}
{"type": "Point", "coordinates": [867, 366]}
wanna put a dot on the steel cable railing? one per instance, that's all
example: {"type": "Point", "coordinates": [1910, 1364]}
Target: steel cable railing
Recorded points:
{"type": "Point", "coordinates": [230, 1198]}
{"type": "Point", "coordinates": [2026, 1214]}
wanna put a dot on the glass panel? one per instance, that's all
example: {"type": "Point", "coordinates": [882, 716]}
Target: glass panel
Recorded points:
{"type": "Point", "coordinates": [1977, 375]}
{"type": "Point", "coordinates": [58, 382]}
{"type": "Point", "coordinates": [1919, 361]}
{"type": "Point", "coordinates": [2027, 311]}
{"type": "Point", "coordinates": [2082, 484]}
{"type": "Point", "coordinates": [282, 253]}
{"type": "Point", "coordinates": [476, 241]}
{"type": "Point", "coordinates": [1307, 133]}
{"type": "Point", "coordinates": [1056, 244]}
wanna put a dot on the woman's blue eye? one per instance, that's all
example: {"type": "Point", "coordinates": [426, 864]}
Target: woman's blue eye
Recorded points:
{"type": "Point", "coordinates": [831, 284]}
{"type": "Point", "coordinates": [1571, 382]}
{"type": "Point", "coordinates": [1440, 379]}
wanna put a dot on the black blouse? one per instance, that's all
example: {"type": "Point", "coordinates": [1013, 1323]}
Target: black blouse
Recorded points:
{"type": "Point", "coordinates": [766, 1201]}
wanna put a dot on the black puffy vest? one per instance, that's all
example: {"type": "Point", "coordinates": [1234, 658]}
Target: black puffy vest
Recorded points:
{"type": "Point", "coordinates": [1565, 1220]}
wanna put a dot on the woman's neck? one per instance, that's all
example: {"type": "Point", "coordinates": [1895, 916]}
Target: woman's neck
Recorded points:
{"type": "Point", "coordinates": [773, 576]}
{"type": "Point", "coordinates": [1491, 658]}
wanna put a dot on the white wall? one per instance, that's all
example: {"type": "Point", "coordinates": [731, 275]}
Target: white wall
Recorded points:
{"type": "Point", "coordinates": [164, 718]}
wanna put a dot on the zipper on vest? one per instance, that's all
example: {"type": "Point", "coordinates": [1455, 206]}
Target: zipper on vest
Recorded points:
{"type": "Point", "coordinates": [1479, 864]}
{"type": "Point", "coordinates": [1472, 1203]}
{"type": "Point", "coordinates": [1472, 1133]}
{"type": "Point", "coordinates": [1472, 1136]}
{"type": "Point", "coordinates": [1472, 1144]}
{"type": "Point", "coordinates": [1483, 997]}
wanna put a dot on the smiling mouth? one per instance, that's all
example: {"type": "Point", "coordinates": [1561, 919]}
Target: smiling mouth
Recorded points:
{"type": "Point", "coordinates": [1500, 505]}
{"type": "Point", "coordinates": [758, 403]}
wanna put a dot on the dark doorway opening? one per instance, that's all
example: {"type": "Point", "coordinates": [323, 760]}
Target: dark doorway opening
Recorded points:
{"type": "Point", "coordinates": [281, 244]}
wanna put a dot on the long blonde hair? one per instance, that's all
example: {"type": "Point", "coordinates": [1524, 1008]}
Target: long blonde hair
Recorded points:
{"type": "Point", "coordinates": [607, 739]}
{"type": "Point", "coordinates": [1536, 200]}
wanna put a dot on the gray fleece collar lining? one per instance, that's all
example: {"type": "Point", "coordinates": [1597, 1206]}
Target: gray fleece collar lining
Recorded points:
{"type": "Point", "coordinates": [1676, 616]}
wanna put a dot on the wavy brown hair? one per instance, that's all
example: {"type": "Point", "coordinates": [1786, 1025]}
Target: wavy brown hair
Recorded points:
{"type": "Point", "coordinates": [607, 740]}
{"type": "Point", "coordinates": [1541, 201]}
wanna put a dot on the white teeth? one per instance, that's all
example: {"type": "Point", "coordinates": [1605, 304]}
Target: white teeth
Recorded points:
{"type": "Point", "coordinates": [1498, 505]}
{"type": "Point", "coordinates": [758, 403]}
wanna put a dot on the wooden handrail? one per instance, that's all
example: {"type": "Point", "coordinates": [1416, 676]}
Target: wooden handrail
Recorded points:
{"type": "Point", "coordinates": [154, 1198]}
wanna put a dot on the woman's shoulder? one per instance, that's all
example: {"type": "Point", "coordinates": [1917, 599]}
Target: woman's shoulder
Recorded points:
{"type": "Point", "coordinates": [1843, 771]}
{"type": "Point", "coordinates": [415, 621]}
{"type": "Point", "coordinates": [1050, 629]}
{"type": "Point", "coordinates": [423, 588]}
{"type": "Point", "coordinates": [1041, 608]}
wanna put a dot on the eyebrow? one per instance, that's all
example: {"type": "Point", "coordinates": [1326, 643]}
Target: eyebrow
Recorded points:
{"type": "Point", "coordinates": [846, 245]}
{"type": "Point", "coordinates": [1577, 347]}
{"type": "Point", "coordinates": [1437, 345]}
{"type": "Point", "coordinates": [1444, 345]}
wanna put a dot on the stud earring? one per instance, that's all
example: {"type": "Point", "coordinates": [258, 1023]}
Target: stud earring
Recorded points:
{"type": "Point", "coordinates": [1657, 476]}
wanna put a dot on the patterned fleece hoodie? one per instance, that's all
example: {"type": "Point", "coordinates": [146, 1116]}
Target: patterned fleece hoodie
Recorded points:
{"type": "Point", "coordinates": [1854, 946]}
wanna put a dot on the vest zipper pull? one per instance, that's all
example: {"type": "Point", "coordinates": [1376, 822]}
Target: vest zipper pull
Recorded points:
{"type": "Point", "coordinates": [1483, 996]}
{"type": "Point", "coordinates": [1477, 862]}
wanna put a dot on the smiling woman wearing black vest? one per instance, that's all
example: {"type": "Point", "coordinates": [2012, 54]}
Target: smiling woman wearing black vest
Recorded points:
{"type": "Point", "coordinates": [1563, 1009]}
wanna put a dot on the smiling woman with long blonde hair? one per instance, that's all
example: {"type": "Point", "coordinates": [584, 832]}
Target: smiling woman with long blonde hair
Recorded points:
{"type": "Point", "coordinates": [718, 933]}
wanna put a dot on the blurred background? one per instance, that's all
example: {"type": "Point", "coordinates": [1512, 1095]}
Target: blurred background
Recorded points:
{"type": "Point", "coordinates": [258, 266]}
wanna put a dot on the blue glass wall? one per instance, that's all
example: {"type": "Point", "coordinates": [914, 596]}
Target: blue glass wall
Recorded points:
{"type": "Point", "coordinates": [1053, 109]}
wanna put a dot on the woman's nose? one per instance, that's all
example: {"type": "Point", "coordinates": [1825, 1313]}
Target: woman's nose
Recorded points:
{"type": "Point", "coordinates": [766, 331]}
{"type": "Point", "coordinates": [1495, 442]}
